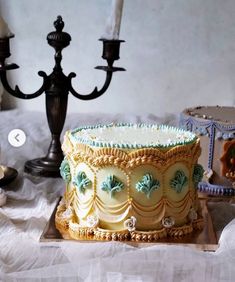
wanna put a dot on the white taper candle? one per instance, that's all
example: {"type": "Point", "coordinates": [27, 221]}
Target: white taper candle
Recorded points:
{"type": "Point", "coordinates": [4, 29]}
{"type": "Point", "coordinates": [112, 28]}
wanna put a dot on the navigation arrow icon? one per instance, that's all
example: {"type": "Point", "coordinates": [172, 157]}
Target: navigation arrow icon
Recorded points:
{"type": "Point", "coordinates": [16, 137]}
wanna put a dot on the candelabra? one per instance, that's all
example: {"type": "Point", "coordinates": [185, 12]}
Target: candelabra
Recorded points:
{"type": "Point", "coordinates": [56, 87]}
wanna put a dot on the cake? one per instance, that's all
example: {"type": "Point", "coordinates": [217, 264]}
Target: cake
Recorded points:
{"type": "Point", "coordinates": [215, 126]}
{"type": "Point", "coordinates": [129, 182]}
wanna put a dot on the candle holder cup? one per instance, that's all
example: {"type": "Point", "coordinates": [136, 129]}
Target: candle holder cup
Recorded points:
{"type": "Point", "coordinates": [56, 87]}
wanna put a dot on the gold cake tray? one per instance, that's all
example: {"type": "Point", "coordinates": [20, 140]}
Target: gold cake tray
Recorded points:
{"type": "Point", "coordinates": [204, 240]}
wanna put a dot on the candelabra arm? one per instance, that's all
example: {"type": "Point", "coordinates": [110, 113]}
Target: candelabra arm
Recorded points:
{"type": "Point", "coordinates": [95, 93]}
{"type": "Point", "coordinates": [17, 92]}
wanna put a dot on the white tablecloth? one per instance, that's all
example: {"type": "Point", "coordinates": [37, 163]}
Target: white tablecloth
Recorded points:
{"type": "Point", "coordinates": [31, 201]}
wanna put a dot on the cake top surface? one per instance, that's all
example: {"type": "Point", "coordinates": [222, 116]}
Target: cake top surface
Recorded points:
{"type": "Point", "coordinates": [131, 136]}
{"type": "Point", "coordinates": [217, 113]}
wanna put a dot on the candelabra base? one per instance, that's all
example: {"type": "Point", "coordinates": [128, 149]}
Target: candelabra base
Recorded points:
{"type": "Point", "coordinates": [43, 167]}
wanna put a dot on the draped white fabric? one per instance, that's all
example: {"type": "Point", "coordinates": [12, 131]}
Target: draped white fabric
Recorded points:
{"type": "Point", "coordinates": [31, 201]}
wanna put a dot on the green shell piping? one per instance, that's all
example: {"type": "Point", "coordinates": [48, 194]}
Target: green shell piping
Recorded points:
{"type": "Point", "coordinates": [128, 145]}
{"type": "Point", "coordinates": [65, 171]}
{"type": "Point", "coordinates": [179, 181]}
{"type": "Point", "coordinates": [112, 185]}
{"type": "Point", "coordinates": [147, 185]}
{"type": "Point", "coordinates": [81, 181]}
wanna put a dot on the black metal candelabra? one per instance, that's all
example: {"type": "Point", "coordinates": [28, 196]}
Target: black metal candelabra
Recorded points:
{"type": "Point", "coordinates": [56, 87]}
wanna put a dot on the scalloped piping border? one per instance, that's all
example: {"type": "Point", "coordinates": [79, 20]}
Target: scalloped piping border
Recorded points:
{"type": "Point", "coordinates": [68, 232]}
{"type": "Point", "coordinates": [110, 156]}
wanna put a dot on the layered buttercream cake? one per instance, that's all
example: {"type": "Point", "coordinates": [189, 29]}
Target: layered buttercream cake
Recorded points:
{"type": "Point", "coordinates": [215, 126]}
{"type": "Point", "coordinates": [129, 182]}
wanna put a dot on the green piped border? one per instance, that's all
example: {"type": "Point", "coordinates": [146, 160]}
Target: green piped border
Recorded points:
{"type": "Point", "coordinates": [103, 144]}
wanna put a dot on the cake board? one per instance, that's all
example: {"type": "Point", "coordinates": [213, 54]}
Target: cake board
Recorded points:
{"type": "Point", "coordinates": [204, 240]}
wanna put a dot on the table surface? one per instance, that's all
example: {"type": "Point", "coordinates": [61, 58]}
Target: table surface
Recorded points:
{"type": "Point", "coordinates": [31, 201]}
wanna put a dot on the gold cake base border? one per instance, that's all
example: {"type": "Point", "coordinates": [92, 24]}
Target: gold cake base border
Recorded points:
{"type": "Point", "coordinates": [204, 240]}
